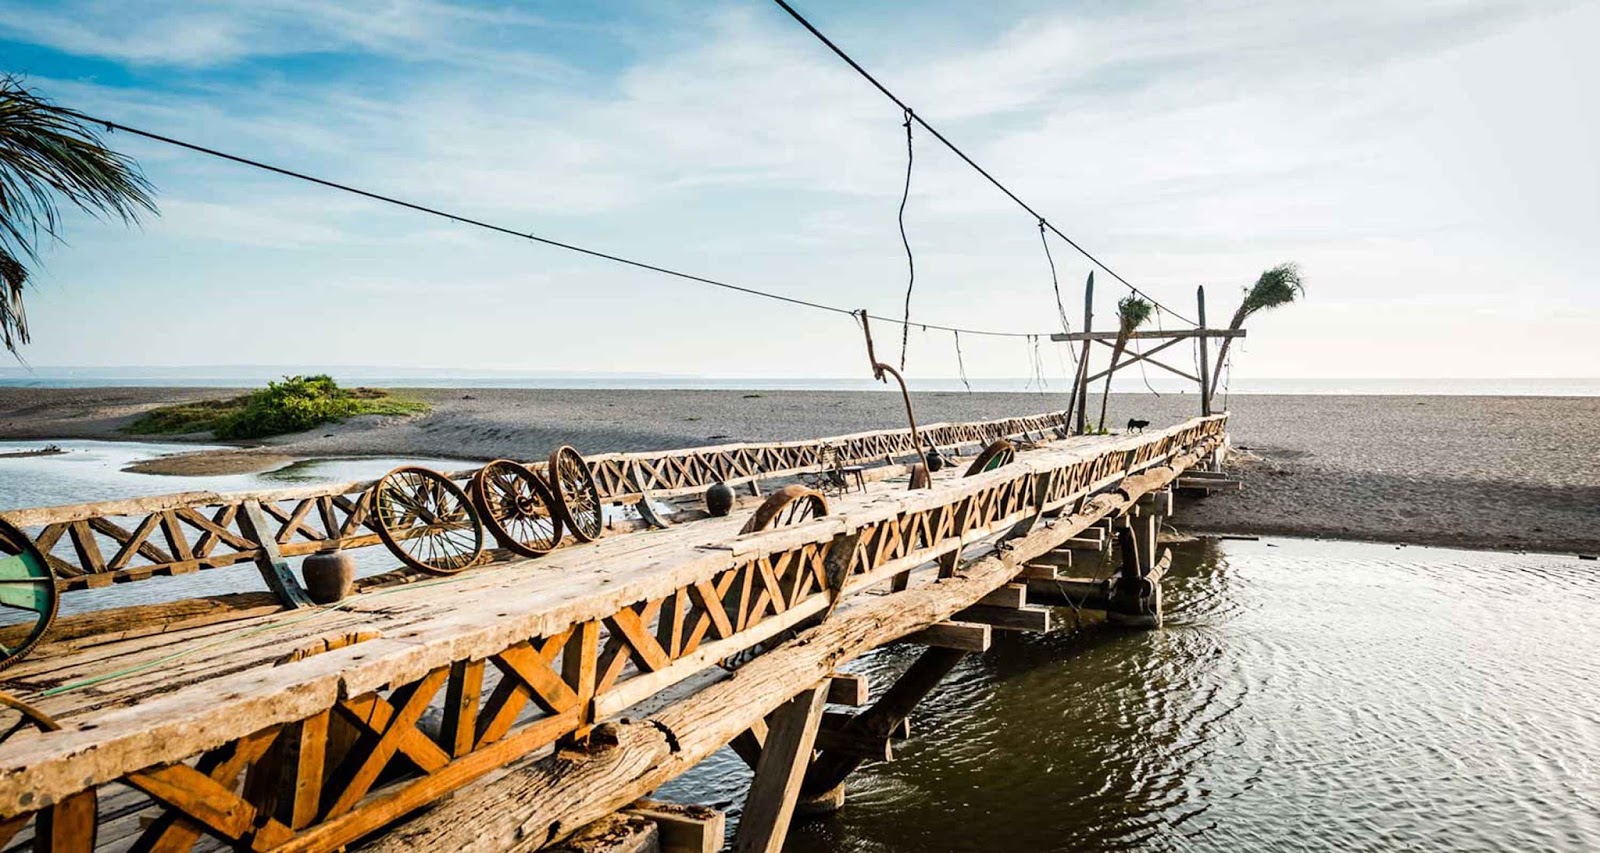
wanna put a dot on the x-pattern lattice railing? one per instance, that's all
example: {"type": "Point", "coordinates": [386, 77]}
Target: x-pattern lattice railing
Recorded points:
{"type": "Point", "coordinates": [97, 544]}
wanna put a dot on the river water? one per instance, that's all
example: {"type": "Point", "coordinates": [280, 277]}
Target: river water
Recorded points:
{"type": "Point", "coordinates": [1303, 695]}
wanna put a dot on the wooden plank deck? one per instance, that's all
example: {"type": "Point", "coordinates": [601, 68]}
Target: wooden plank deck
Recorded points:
{"type": "Point", "coordinates": [575, 637]}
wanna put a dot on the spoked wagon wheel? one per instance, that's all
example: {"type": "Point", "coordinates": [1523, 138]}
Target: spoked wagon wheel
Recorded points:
{"type": "Point", "coordinates": [27, 590]}
{"type": "Point", "coordinates": [27, 716]}
{"type": "Point", "coordinates": [789, 505]}
{"type": "Point", "coordinates": [426, 520]}
{"type": "Point", "coordinates": [998, 453]}
{"type": "Point", "coordinates": [576, 494]}
{"type": "Point", "coordinates": [517, 507]}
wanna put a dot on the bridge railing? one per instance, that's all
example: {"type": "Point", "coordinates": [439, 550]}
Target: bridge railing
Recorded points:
{"type": "Point", "coordinates": [97, 544]}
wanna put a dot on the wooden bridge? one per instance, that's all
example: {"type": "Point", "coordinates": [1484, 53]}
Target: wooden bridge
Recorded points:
{"type": "Point", "coordinates": [547, 694]}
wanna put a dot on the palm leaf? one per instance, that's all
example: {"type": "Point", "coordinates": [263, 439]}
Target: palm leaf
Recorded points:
{"type": "Point", "coordinates": [1280, 285]}
{"type": "Point", "coordinates": [1133, 311]}
{"type": "Point", "coordinates": [50, 155]}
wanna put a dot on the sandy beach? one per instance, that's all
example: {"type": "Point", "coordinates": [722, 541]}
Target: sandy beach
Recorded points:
{"type": "Point", "coordinates": [1481, 472]}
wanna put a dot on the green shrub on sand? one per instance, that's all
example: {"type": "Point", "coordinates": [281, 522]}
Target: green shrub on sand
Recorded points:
{"type": "Point", "coordinates": [296, 404]}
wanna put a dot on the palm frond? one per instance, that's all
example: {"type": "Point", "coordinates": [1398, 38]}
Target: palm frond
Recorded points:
{"type": "Point", "coordinates": [1280, 285]}
{"type": "Point", "coordinates": [1133, 311]}
{"type": "Point", "coordinates": [49, 155]}
{"type": "Point", "coordinates": [13, 320]}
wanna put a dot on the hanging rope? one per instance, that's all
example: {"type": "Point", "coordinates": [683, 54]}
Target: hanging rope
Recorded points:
{"type": "Point", "coordinates": [1227, 381]}
{"type": "Point", "coordinates": [811, 28]}
{"type": "Point", "coordinates": [1055, 283]}
{"type": "Point", "coordinates": [1139, 354]}
{"type": "Point", "coordinates": [1038, 366]}
{"type": "Point", "coordinates": [961, 363]}
{"type": "Point", "coordinates": [911, 262]}
{"type": "Point", "coordinates": [1035, 365]}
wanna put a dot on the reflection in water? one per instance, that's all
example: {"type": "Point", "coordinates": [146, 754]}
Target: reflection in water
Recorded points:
{"type": "Point", "coordinates": [1303, 695]}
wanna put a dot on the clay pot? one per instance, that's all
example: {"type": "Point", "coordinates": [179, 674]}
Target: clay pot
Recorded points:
{"type": "Point", "coordinates": [935, 461]}
{"type": "Point", "coordinates": [719, 499]}
{"type": "Point", "coordinates": [329, 577]}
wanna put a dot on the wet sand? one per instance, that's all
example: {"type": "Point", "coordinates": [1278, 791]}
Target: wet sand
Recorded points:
{"type": "Point", "coordinates": [1482, 472]}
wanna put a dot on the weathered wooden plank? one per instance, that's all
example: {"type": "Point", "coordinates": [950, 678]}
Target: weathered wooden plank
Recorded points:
{"type": "Point", "coordinates": [640, 756]}
{"type": "Point", "coordinates": [791, 731]}
{"type": "Point", "coordinates": [1012, 595]}
{"type": "Point", "coordinates": [683, 829]}
{"type": "Point", "coordinates": [962, 636]}
{"type": "Point", "coordinates": [274, 569]}
{"type": "Point", "coordinates": [847, 689]}
{"type": "Point", "coordinates": [1035, 619]}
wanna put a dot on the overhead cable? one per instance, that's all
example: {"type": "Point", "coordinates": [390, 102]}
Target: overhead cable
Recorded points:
{"type": "Point", "coordinates": [963, 155]}
{"type": "Point", "coordinates": [478, 223]}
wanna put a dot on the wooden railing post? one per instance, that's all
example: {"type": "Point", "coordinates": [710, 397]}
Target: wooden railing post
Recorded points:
{"type": "Point", "coordinates": [580, 663]}
{"type": "Point", "coordinates": [274, 569]}
{"type": "Point", "coordinates": [1205, 354]}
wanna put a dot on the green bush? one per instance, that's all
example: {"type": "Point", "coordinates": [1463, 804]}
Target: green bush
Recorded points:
{"type": "Point", "coordinates": [296, 404]}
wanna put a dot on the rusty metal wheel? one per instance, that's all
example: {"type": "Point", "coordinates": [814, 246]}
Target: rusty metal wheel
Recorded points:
{"type": "Point", "coordinates": [517, 507]}
{"type": "Point", "coordinates": [426, 520]}
{"type": "Point", "coordinates": [576, 494]}
{"type": "Point", "coordinates": [27, 715]}
{"type": "Point", "coordinates": [28, 596]}
{"type": "Point", "coordinates": [789, 505]}
{"type": "Point", "coordinates": [999, 452]}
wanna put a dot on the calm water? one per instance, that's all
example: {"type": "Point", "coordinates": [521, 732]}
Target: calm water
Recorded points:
{"type": "Point", "coordinates": [1303, 696]}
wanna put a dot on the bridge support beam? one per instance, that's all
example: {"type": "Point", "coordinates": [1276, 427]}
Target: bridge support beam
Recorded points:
{"type": "Point", "coordinates": [1135, 599]}
{"type": "Point", "coordinates": [776, 786]}
{"type": "Point", "coordinates": [823, 788]}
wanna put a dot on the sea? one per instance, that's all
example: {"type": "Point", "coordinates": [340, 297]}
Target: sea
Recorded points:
{"type": "Point", "coordinates": [390, 377]}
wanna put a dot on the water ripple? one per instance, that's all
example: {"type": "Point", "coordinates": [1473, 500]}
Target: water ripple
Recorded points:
{"type": "Point", "coordinates": [1307, 696]}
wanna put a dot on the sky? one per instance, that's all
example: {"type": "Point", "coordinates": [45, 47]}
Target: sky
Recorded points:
{"type": "Point", "coordinates": [1430, 165]}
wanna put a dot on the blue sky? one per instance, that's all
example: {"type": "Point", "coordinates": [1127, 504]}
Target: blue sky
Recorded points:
{"type": "Point", "coordinates": [1429, 164]}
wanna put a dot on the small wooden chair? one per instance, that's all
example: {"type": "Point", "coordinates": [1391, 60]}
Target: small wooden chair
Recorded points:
{"type": "Point", "coordinates": [835, 475]}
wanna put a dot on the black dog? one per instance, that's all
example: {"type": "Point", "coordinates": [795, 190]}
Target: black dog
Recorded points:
{"type": "Point", "coordinates": [1136, 424]}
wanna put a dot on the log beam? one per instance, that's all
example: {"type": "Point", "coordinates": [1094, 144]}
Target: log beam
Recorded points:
{"type": "Point", "coordinates": [961, 636]}
{"type": "Point", "coordinates": [880, 721]}
{"type": "Point", "coordinates": [847, 689]}
{"type": "Point", "coordinates": [776, 786]}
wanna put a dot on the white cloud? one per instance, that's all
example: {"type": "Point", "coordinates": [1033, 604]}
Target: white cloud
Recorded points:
{"type": "Point", "coordinates": [1436, 149]}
